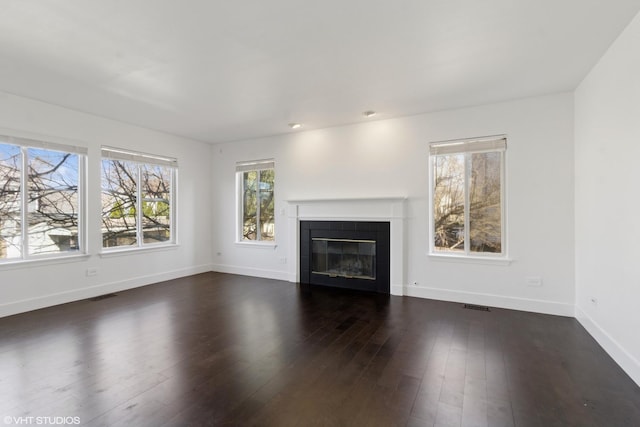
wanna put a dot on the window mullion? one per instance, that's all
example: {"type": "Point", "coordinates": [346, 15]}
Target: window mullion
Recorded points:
{"type": "Point", "coordinates": [503, 208]}
{"type": "Point", "coordinates": [258, 225]}
{"type": "Point", "coordinates": [24, 202]}
{"type": "Point", "coordinates": [79, 209]}
{"type": "Point", "coordinates": [432, 211]}
{"type": "Point", "coordinates": [139, 206]}
{"type": "Point", "coordinates": [242, 186]}
{"type": "Point", "coordinates": [172, 207]}
{"type": "Point", "coordinates": [82, 206]}
{"type": "Point", "coordinates": [467, 185]}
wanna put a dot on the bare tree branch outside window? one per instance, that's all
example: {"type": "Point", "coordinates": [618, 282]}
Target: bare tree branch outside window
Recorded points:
{"type": "Point", "coordinates": [119, 196]}
{"type": "Point", "coordinates": [10, 203]}
{"type": "Point", "coordinates": [52, 200]}
{"type": "Point", "coordinates": [156, 203]}
{"type": "Point", "coordinates": [448, 202]}
{"type": "Point", "coordinates": [258, 205]}
{"type": "Point", "coordinates": [467, 192]}
{"type": "Point", "coordinates": [126, 219]}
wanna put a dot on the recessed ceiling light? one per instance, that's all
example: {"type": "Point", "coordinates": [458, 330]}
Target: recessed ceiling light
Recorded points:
{"type": "Point", "coordinates": [295, 125]}
{"type": "Point", "coordinates": [369, 113]}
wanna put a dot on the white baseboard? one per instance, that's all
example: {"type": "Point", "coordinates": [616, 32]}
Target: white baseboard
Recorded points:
{"type": "Point", "coordinates": [622, 357]}
{"type": "Point", "coordinates": [253, 272]}
{"type": "Point", "coordinates": [25, 305]}
{"type": "Point", "coordinates": [397, 290]}
{"type": "Point", "coordinates": [512, 303]}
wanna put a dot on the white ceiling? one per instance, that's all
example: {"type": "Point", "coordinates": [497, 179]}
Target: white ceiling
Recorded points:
{"type": "Point", "coordinates": [227, 70]}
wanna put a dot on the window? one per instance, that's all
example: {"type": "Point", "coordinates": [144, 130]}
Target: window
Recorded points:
{"type": "Point", "coordinates": [138, 199]}
{"type": "Point", "coordinates": [256, 201]}
{"type": "Point", "coordinates": [41, 199]}
{"type": "Point", "coordinates": [467, 195]}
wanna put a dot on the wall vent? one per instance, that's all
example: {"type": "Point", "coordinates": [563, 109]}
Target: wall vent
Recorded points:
{"type": "Point", "coordinates": [476, 307]}
{"type": "Point", "coordinates": [101, 297]}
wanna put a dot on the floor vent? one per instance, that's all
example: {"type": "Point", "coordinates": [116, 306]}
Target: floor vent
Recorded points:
{"type": "Point", "coordinates": [101, 297]}
{"type": "Point", "coordinates": [476, 307]}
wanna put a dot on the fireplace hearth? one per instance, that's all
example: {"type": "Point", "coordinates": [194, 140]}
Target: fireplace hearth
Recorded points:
{"type": "Point", "coordinates": [346, 254]}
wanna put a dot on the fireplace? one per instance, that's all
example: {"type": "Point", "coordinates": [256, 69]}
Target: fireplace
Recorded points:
{"type": "Point", "coordinates": [373, 210]}
{"type": "Point", "coordinates": [346, 254]}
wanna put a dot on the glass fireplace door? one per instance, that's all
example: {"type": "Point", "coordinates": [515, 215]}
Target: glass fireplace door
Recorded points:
{"type": "Point", "coordinates": [344, 258]}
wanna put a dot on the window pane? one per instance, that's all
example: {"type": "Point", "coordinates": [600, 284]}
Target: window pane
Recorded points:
{"type": "Point", "coordinates": [10, 224]}
{"type": "Point", "coordinates": [119, 203]}
{"type": "Point", "coordinates": [52, 199]}
{"type": "Point", "coordinates": [485, 205]}
{"type": "Point", "coordinates": [448, 203]}
{"type": "Point", "coordinates": [156, 203]}
{"type": "Point", "coordinates": [267, 202]}
{"type": "Point", "coordinates": [249, 205]}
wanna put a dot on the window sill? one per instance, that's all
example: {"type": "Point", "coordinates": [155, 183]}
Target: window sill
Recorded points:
{"type": "Point", "coordinates": [137, 250]}
{"type": "Point", "coordinates": [257, 245]}
{"type": "Point", "coordinates": [36, 262]}
{"type": "Point", "coordinates": [470, 259]}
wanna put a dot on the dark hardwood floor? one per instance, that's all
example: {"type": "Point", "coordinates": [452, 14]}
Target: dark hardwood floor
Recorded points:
{"type": "Point", "coordinates": [217, 349]}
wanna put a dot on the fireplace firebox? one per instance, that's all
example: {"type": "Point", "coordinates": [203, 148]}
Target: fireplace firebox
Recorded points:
{"type": "Point", "coordinates": [346, 254]}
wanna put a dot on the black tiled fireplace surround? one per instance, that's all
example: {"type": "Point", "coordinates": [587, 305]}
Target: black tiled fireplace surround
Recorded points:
{"type": "Point", "coordinates": [357, 230]}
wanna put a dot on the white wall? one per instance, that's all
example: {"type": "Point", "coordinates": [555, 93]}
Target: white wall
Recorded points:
{"type": "Point", "coordinates": [389, 158]}
{"type": "Point", "coordinates": [26, 287]}
{"type": "Point", "coordinates": [607, 145]}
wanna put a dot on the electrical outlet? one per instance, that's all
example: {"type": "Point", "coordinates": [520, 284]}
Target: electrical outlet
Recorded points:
{"type": "Point", "coordinates": [283, 260]}
{"type": "Point", "coordinates": [533, 281]}
{"type": "Point", "coordinates": [92, 271]}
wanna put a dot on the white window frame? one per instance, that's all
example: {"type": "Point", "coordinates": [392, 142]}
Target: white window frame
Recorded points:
{"type": "Point", "coordinates": [112, 153]}
{"type": "Point", "coordinates": [26, 143]}
{"type": "Point", "coordinates": [247, 166]}
{"type": "Point", "coordinates": [497, 143]}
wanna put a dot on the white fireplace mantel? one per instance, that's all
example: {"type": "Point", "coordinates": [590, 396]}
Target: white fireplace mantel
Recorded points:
{"type": "Point", "coordinates": [388, 209]}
